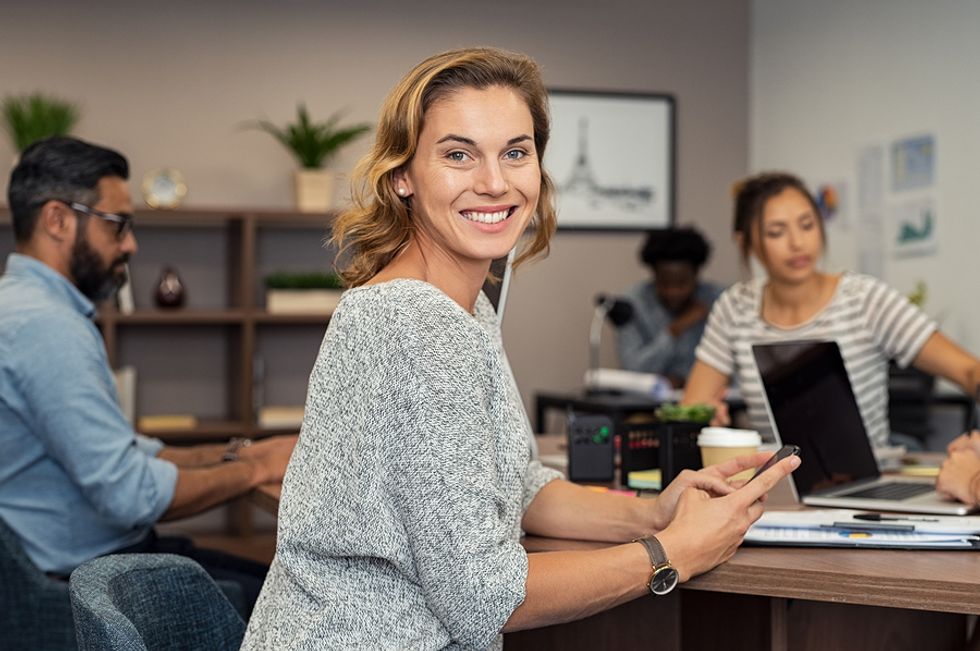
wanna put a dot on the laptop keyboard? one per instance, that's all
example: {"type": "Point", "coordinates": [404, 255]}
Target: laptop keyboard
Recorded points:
{"type": "Point", "coordinates": [890, 491]}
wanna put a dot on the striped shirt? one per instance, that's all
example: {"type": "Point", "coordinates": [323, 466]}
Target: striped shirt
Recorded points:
{"type": "Point", "coordinates": [870, 321]}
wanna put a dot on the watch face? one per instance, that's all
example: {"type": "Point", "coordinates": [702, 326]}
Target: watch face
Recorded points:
{"type": "Point", "coordinates": [664, 580]}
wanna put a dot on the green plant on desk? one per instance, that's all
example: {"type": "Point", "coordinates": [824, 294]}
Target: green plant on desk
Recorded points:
{"type": "Point", "coordinates": [699, 413]}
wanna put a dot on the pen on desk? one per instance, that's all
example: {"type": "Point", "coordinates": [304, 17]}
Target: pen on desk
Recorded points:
{"type": "Point", "coordinates": [878, 517]}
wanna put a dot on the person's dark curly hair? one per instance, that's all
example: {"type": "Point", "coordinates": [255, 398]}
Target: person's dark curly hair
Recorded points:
{"type": "Point", "coordinates": [675, 245]}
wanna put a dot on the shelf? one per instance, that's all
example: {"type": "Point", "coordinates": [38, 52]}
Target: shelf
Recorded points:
{"type": "Point", "coordinates": [210, 317]}
{"type": "Point", "coordinates": [262, 432]}
{"type": "Point", "coordinates": [226, 253]}
{"type": "Point", "coordinates": [208, 430]}
{"type": "Point", "coordinates": [217, 431]}
{"type": "Point", "coordinates": [175, 317]}
{"type": "Point", "coordinates": [293, 319]}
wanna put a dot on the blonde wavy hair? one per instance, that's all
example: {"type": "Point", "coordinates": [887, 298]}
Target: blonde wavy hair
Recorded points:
{"type": "Point", "coordinates": [379, 224]}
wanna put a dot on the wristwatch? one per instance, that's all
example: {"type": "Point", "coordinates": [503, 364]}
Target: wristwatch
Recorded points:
{"type": "Point", "coordinates": [234, 445]}
{"type": "Point", "coordinates": [664, 578]}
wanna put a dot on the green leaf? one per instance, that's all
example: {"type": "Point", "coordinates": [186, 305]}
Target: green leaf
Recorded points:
{"type": "Point", "coordinates": [303, 280]}
{"type": "Point", "coordinates": [314, 144]}
{"type": "Point", "coordinates": [29, 118]}
{"type": "Point", "coordinates": [696, 413]}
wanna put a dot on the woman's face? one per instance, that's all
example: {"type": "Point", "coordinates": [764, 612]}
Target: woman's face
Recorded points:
{"type": "Point", "coordinates": [475, 178]}
{"type": "Point", "coordinates": [789, 243]}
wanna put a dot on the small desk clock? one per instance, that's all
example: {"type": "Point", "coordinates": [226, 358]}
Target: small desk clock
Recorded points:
{"type": "Point", "coordinates": [164, 188]}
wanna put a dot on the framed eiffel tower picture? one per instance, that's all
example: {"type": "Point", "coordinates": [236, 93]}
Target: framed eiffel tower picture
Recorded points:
{"type": "Point", "coordinates": [612, 158]}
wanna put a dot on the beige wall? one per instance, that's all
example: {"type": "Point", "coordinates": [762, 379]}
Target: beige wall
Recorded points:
{"type": "Point", "coordinates": [170, 84]}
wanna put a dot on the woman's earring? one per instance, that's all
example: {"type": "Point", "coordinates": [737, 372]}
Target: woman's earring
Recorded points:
{"type": "Point", "coordinates": [402, 192]}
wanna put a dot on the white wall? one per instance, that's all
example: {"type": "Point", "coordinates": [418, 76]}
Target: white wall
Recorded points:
{"type": "Point", "coordinates": [170, 84]}
{"type": "Point", "coordinates": [828, 78]}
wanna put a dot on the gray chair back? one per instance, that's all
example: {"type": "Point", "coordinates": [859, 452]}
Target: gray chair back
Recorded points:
{"type": "Point", "coordinates": [151, 601]}
{"type": "Point", "coordinates": [35, 608]}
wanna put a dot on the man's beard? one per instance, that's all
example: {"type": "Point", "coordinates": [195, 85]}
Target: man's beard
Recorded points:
{"type": "Point", "coordinates": [95, 281]}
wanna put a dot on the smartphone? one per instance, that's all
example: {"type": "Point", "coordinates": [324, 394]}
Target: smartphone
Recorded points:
{"type": "Point", "coordinates": [785, 451]}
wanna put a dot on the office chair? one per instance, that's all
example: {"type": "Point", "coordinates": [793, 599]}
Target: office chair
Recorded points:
{"type": "Point", "coordinates": [151, 601]}
{"type": "Point", "coordinates": [36, 608]}
{"type": "Point", "coordinates": [910, 398]}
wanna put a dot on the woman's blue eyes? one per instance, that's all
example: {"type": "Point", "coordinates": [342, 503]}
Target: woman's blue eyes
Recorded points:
{"type": "Point", "coordinates": [461, 156]}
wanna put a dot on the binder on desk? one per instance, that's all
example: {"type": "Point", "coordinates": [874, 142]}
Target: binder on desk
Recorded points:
{"type": "Point", "coordinates": [847, 528]}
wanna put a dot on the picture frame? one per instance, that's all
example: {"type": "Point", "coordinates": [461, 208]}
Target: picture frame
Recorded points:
{"type": "Point", "coordinates": [612, 157]}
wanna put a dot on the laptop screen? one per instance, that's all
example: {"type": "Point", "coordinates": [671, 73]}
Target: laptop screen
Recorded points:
{"type": "Point", "coordinates": [812, 405]}
{"type": "Point", "coordinates": [497, 292]}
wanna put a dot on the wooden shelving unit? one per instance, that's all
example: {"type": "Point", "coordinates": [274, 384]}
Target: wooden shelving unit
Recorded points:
{"type": "Point", "coordinates": [237, 325]}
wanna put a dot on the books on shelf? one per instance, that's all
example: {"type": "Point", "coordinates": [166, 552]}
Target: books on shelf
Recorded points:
{"type": "Point", "coordinates": [125, 377]}
{"type": "Point", "coordinates": [166, 422]}
{"type": "Point", "coordinates": [124, 297]}
{"type": "Point", "coordinates": [281, 417]}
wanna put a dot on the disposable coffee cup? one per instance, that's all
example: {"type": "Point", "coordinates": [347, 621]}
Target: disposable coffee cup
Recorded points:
{"type": "Point", "coordinates": [723, 443]}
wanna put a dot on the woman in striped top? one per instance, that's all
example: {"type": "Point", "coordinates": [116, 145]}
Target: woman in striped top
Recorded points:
{"type": "Point", "coordinates": [777, 222]}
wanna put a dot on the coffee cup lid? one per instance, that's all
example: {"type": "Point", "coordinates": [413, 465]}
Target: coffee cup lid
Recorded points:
{"type": "Point", "coordinates": [728, 437]}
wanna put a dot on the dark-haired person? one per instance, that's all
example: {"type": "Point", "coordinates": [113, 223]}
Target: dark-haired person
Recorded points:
{"type": "Point", "coordinates": [777, 222]}
{"type": "Point", "coordinates": [669, 311]}
{"type": "Point", "coordinates": [75, 481]}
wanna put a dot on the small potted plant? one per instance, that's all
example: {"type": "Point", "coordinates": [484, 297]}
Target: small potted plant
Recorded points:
{"type": "Point", "coordinates": [313, 144]}
{"type": "Point", "coordinates": [677, 429]}
{"type": "Point", "coordinates": [312, 292]}
{"type": "Point", "coordinates": [29, 118]}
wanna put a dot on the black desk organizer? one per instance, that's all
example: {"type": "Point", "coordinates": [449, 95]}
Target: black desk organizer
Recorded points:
{"type": "Point", "coordinates": [646, 444]}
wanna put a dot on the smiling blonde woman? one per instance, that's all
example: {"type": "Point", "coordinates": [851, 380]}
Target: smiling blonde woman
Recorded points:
{"type": "Point", "coordinates": [405, 499]}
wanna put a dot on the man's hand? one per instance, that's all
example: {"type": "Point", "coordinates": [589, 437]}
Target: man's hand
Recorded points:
{"type": "Point", "coordinates": [270, 457]}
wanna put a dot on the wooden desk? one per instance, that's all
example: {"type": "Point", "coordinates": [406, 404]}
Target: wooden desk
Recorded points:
{"type": "Point", "coordinates": [785, 598]}
{"type": "Point", "coordinates": [779, 599]}
{"type": "Point", "coordinates": [266, 497]}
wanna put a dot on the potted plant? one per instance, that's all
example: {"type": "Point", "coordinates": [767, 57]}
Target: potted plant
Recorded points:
{"type": "Point", "coordinates": [304, 292]}
{"type": "Point", "coordinates": [29, 118]}
{"type": "Point", "coordinates": [313, 144]}
{"type": "Point", "coordinates": [677, 429]}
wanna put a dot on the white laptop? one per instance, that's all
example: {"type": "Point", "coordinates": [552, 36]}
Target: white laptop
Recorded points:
{"type": "Point", "coordinates": [811, 404]}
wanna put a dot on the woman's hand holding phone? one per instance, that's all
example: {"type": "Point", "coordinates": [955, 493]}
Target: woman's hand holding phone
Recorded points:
{"type": "Point", "coordinates": [782, 453]}
{"type": "Point", "coordinates": [706, 530]}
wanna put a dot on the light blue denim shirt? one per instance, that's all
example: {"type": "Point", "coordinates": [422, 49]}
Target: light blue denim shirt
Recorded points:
{"type": "Point", "coordinates": [75, 481]}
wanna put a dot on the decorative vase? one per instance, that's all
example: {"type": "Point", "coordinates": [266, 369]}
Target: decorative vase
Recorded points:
{"type": "Point", "coordinates": [314, 190]}
{"type": "Point", "coordinates": [170, 289]}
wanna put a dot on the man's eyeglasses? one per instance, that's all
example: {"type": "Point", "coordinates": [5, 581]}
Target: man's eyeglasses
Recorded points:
{"type": "Point", "coordinates": [123, 221]}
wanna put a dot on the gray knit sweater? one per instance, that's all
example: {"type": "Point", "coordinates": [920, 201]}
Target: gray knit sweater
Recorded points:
{"type": "Point", "coordinates": [401, 509]}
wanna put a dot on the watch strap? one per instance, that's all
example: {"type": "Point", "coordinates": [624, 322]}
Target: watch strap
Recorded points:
{"type": "Point", "coordinates": [655, 551]}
